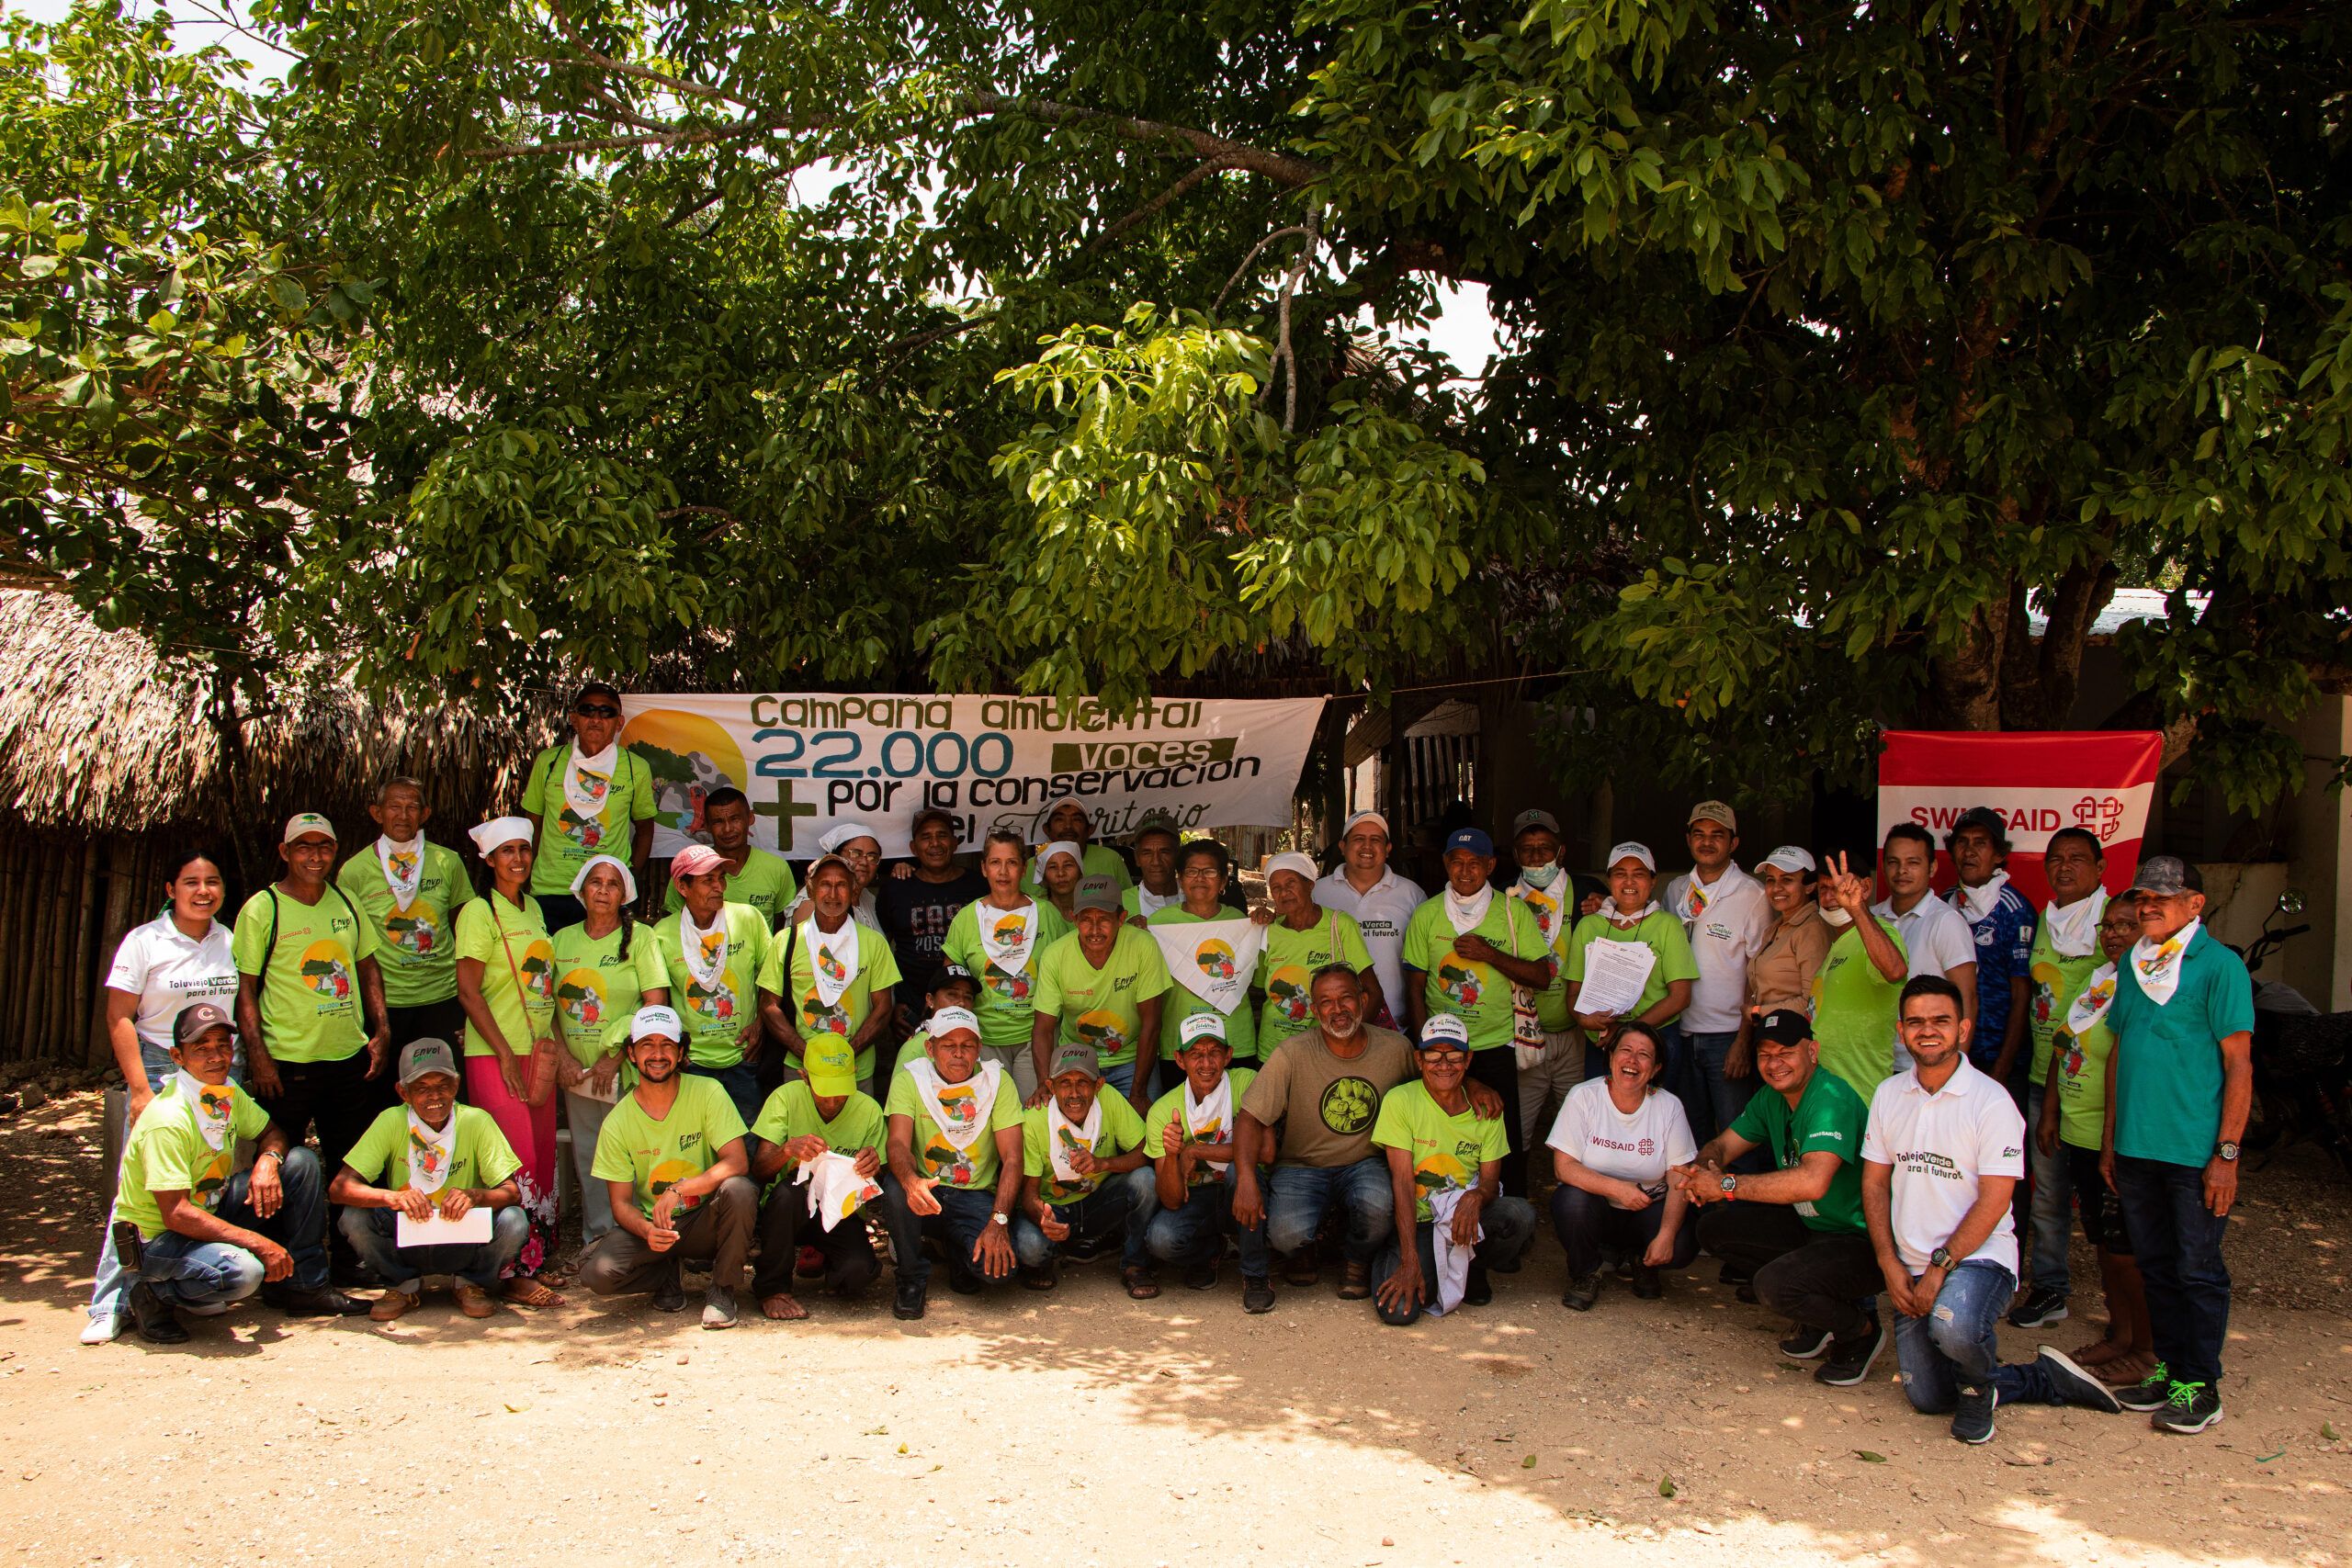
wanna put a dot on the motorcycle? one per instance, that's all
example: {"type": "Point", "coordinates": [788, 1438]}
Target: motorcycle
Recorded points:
{"type": "Point", "coordinates": [2302, 1058]}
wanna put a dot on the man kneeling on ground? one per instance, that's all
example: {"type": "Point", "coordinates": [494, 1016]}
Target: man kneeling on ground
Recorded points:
{"type": "Point", "coordinates": [670, 1154]}
{"type": "Point", "coordinates": [1188, 1134]}
{"type": "Point", "coordinates": [1445, 1170]}
{"type": "Point", "coordinates": [1796, 1231]}
{"type": "Point", "coordinates": [822, 1111]}
{"type": "Point", "coordinates": [954, 1163]}
{"type": "Point", "coordinates": [436, 1159]}
{"type": "Point", "coordinates": [1083, 1176]}
{"type": "Point", "coordinates": [207, 1237]}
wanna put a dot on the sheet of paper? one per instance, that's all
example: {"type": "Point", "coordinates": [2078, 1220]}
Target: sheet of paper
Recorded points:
{"type": "Point", "coordinates": [1615, 973]}
{"type": "Point", "coordinates": [470, 1229]}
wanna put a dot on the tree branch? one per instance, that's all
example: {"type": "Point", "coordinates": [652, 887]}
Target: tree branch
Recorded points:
{"type": "Point", "coordinates": [1247, 261]}
{"type": "Point", "coordinates": [1194, 177]}
{"type": "Point", "coordinates": [1281, 167]}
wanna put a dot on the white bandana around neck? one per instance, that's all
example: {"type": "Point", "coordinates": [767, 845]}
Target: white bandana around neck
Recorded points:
{"type": "Point", "coordinates": [1065, 1137]}
{"type": "Point", "coordinates": [1007, 935]}
{"type": "Point", "coordinates": [2091, 1002]}
{"type": "Point", "coordinates": [704, 950]}
{"type": "Point", "coordinates": [2074, 928]}
{"type": "Point", "coordinates": [1148, 903]}
{"type": "Point", "coordinates": [403, 867]}
{"type": "Point", "coordinates": [1547, 901]}
{"type": "Point", "coordinates": [832, 957]}
{"type": "Point", "coordinates": [588, 781]}
{"type": "Point", "coordinates": [1609, 910]}
{"type": "Point", "coordinates": [1209, 1120]}
{"type": "Point", "coordinates": [1978, 903]}
{"type": "Point", "coordinates": [2157, 965]}
{"type": "Point", "coordinates": [1692, 902]}
{"type": "Point", "coordinates": [960, 1111]}
{"type": "Point", "coordinates": [430, 1154]}
{"type": "Point", "coordinates": [1464, 914]}
{"type": "Point", "coordinates": [213, 1108]}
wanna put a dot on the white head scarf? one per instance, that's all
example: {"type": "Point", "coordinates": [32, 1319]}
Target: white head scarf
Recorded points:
{"type": "Point", "coordinates": [497, 831]}
{"type": "Point", "coordinates": [628, 879]}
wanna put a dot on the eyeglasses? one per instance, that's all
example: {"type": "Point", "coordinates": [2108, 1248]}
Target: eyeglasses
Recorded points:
{"type": "Point", "coordinates": [602, 710]}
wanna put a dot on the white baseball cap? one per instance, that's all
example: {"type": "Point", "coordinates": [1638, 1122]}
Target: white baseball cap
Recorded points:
{"type": "Point", "coordinates": [1790, 858]}
{"type": "Point", "coordinates": [1630, 849]}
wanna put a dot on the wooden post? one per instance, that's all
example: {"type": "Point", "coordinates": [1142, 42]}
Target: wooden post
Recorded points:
{"type": "Point", "coordinates": [74, 1042]}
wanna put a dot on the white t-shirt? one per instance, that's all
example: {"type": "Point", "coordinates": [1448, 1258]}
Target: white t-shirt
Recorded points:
{"type": "Point", "coordinates": [1935, 939]}
{"type": "Point", "coordinates": [1939, 1145]}
{"type": "Point", "coordinates": [1382, 913]}
{"type": "Point", "coordinates": [166, 969]}
{"type": "Point", "coordinates": [1592, 1131]}
{"type": "Point", "coordinates": [1731, 930]}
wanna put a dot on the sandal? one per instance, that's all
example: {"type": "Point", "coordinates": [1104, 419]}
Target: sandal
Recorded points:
{"type": "Point", "coordinates": [1141, 1286]}
{"type": "Point", "coordinates": [526, 1292]}
{"type": "Point", "coordinates": [781, 1308]}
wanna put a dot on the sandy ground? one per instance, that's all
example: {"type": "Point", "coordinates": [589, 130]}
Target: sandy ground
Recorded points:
{"type": "Point", "coordinates": [1082, 1428]}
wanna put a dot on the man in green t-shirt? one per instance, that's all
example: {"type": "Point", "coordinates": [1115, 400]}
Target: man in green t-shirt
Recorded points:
{"type": "Point", "coordinates": [1100, 985]}
{"type": "Point", "coordinates": [954, 1164]}
{"type": "Point", "coordinates": [1188, 1136]}
{"type": "Point", "coordinates": [311, 1006]}
{"type": "Point", "coordinates": [820, 1113]}
{"type": "Point", "coordinates": [1861, 977]}
{"type": "Point", "coordinates": [829, 974]}
{"type": "Point", "coordinates": [1084, 1177]}
{"type": "Point", "coordinates": [1797, 1230]}
{"type": "Point", "coordinates": [587, 795]}
{"type": "Point", "coordinates": [410, 890]}
{"type": "Point", "coordinates": [1445, 1161]}
{"type": "Point", "coordinates": [208, 1235]}
{"type": "Point", "coordinates": [755, 876]}
{"type": "Point", "coordinates": [671, 1154]}
{"type": "Point", "coordinates": [430, 1160]}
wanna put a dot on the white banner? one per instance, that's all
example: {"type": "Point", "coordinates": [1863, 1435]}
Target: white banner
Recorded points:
{"type": "Point", "coordinates": [809, 761]}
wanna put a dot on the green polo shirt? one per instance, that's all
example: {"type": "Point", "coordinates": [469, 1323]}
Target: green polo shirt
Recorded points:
{"type": "Point", "coordinates": [2168, 1058]}
{"type": "Point", "coordinates": [1828, 1117]}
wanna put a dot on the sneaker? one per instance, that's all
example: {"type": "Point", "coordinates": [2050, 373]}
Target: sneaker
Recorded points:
{"type": "Point", "coordinates": [1805, 1344]}
{"type": "Point", "coordinates": [2040, 1308]}
{"type": "Point", "coordinates": [2151, 1392]}
{"type": "Point", "coordinates": [152, 1315]}
{"type": "Point", "coordinates": [393, 1304]}
{"type": "Point", "coordinates": [105, 1329]}
{"type": "Point", "coordinates": [1200, 1277]}
{"type": "Point", "coordinates": [2191, 1407]}
{"type": "Point", "coordinates": [908, 1305]}
{"type": "Point", "coordinates": [1582, 1291]}
{"type": "Point", "coordinates": [1971, 1422]}
{"type": "Point", "coordinates": [1648, 1286]}
{"type": "Point", "coordinates": [1256, 1295]}
{"type": "Point", "coordinates": [1850, 1360]}
{"type": "Point", "coordinates": [670, 1295]}
{"type": "Point", "coordinates": [719, 1309]}
{"type": "Point", "coordinates": [965, 1279]}
{"type": "Point", "coordinates": [2074, 1384]}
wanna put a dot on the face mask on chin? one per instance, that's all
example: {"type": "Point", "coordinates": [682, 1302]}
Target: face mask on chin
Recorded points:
{"type": "Point", "coordinates": [1836, 916]}
{"type": "Point", "coordinates": [1540, 876]}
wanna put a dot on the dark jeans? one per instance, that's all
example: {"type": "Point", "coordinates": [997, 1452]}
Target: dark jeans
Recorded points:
{"type": "Point", "coordinates": [1818, 1279]}
{"type": "Point", "coordinates": [205, 1273]}
{"type": "Point", "coordinates": [1196, 1233]}
{"type": "Point", "coordinates": [1718, 1100]}
{"type": "Point", "coordinates": [2178, 1242]}
{"type": "Point", "coordinates": [718, 1231]}
{"type": "Point", "coordinates": [371, 1232]}
{"type": "Point", "coordinates": [1589, 1228]}
{"type": "Point", "coordinates": [1497, 1068]}
{"type": "Point", "coordinates": [2101, 1210]}
{"type": "Point", "coordinates": [1300, 1197]}
{"type": "Point", "coordinates": [1121, 1204]}
{"type": "Point", "coordinates": [1952, 1348]}
{"type": "Point", "coordinates": [962, 1219]}
{"type": "Point", "coordinates": [786, 1225]}
{"type": "Point", "coordinates": [337, 1097]}
{"type": "Point", "coordinates": [443, 1020]}
{"type": "Point", "coordinates": [1508, 1224]}
{"type": "Point", "coordinates": [741, 1083]}
{"type": "Point", "coordinates": [562, 910]}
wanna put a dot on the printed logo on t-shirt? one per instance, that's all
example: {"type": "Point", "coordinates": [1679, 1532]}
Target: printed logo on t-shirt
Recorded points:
{"type": "Point", "coordinates": [326, 970]}
{"type": "Point", "coordinates": [1926, 1162]}
{"type": "Point", "coordinates": [414, 930]}
{"type": "Point", "coordinates": [669, 1172]}
{"type": "Point", "coordinates": [586, 833]}
{"type": "Point", "coordinates": [1458, 982]}
{"type": "Point", "coordinates": [1010, 988]}
{"type": "Point", "coordinates": [581, 997]}
{"type": "Point", "coordinates": [1216, 958]}
{"type": "Point", "coordinates": [1646, 1147]}
{"type": "Point", "coordinates": [1348, 1105]}
{"type": "Point", "coordinates": [1286, 990]}
{"type": "Point", "coordinates": [714, 1006]}
{"type": "Point", "coordinates": [815, 1018]}
{"type": "Point", "coordinates": [1103, 1031]}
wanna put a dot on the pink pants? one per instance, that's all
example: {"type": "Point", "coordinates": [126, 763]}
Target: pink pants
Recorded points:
{"type": "Point", "coordinates": [531, 1134]}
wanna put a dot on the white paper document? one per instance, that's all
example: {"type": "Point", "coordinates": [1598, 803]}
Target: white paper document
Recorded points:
{"type": "Point", "coordinates": [470, 1229]}
{"type": "Point", "coordinates": [1615, 973]}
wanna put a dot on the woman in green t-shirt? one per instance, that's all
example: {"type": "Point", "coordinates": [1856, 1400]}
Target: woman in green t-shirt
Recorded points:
{"type": "Point", "coordinates": [596, 993]}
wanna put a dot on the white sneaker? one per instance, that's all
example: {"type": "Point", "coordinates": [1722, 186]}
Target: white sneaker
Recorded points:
{"type": "Point", "coordinates": [106, 1329]}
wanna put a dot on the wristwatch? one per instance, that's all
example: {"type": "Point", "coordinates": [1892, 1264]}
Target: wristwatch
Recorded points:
{"type": "Point", "coordinates": [998, 1216]}
{"type": "Point", "coordinates": [2227, 1149]}
{"type": "Point", "coordinates": [1730, 1185]}
{"type": "Point", "coordinates": [1940, 1258]}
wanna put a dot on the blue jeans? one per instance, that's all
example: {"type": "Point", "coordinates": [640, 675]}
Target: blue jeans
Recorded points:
{"type": "Point", "coordinates": [1721, 1100]}
{"type": "Point", "coordinates": [2053, 1202]}
{"type": "Point", "coordinates": [112, 1285]}
{"type": "Point", "coordinates": [1195, 1234]}
{"type": "Point", "coordinates": [1126, 1201]}
{"type": "Point", "coordinates": [478, 1264]}
{"type": "Point", "coordinates": [2178, 1242]}
{"type": "Point", "coordinates": [741, 1083]}
{"type": "Point", "coordinates": [1299, 1196]}
{"type": "Point", "coordinates": [204, 1273]}
{"type": "Point", "coordinates": [1953, 1347]}
{"type": "Point", "coordinates": [1121, 1077]}
{"type": "Point", "coordinates": [962, 1219]}
{"type": "Point", "coordinates": [1509, 1225]}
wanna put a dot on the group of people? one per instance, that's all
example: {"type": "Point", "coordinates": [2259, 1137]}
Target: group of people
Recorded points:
{"type": "Point", "coordinates": [1841, 1099]}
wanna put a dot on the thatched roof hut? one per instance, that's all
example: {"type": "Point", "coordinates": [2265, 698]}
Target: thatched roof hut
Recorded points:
{"type": "Point", "coordinates": [111, 758]}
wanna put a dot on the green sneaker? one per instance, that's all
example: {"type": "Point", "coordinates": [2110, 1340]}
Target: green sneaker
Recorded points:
{"type": "Point", "coordinates": [2151, 1392]}
{"type": "Point", "coordinates": [2192, 1407]}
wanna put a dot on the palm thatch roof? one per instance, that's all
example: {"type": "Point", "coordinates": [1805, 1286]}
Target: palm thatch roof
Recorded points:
{"type": "Point", "coordinates": [99, 734]}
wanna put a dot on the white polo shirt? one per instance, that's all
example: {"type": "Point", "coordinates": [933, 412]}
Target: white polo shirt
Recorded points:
{"type": "Point", "coordinates": [1382, 912]}
{"type": "Point", "coordinates": [1730, 929]}
{"type": "Point", "coordinates": [1939, 1145]}
{"type": "Point", "coordinates": [167, 969]}
{"type": "Point", "coordinates": [1935, 938]}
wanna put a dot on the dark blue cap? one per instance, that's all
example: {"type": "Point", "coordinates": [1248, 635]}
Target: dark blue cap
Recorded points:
{"type": "Point", "coordinates": [1474, 839]}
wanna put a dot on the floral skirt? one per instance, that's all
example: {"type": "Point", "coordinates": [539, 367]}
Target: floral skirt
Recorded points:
{"type": "Point", "coordinates": [531, 1134]}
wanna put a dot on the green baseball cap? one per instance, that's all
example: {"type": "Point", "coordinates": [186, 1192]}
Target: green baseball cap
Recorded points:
{"type": "Point", "coordinates": [830, 1063]}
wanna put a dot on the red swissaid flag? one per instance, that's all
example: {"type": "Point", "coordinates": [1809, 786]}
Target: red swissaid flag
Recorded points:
{"type": "Point", "coordinates": [2039, 780]}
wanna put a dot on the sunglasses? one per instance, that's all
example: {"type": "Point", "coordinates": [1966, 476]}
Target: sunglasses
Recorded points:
{"type": "Point", "coordinates": [602, 710]}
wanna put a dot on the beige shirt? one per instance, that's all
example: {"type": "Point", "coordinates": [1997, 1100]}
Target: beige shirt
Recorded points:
{"type": "Point", "coordinates": [1781, 975]}
{"type": "Point", "coordinates": [1327, 1103]}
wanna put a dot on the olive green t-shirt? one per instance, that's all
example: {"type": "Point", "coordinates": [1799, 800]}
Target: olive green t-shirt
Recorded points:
{"type": "Point", "coordinates": [310, 974]}
{"type": "Point", "coordinates": [1327, 1103]}
{"type": "Point", "coordinates": [416, 942]}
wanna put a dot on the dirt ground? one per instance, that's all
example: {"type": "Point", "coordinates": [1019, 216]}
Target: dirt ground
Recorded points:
{"type": "Point", "coordinates": [1082, 1428]}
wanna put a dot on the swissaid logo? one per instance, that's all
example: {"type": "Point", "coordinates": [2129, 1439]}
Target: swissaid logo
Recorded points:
{"type": "Point", "coordinates": [1078, 756]}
